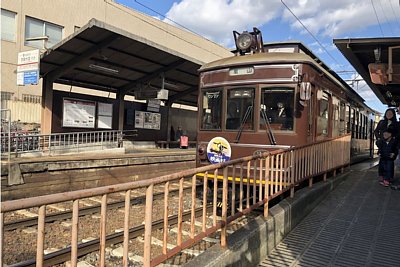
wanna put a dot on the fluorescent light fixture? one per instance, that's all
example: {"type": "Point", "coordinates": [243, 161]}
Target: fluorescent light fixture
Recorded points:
{"type": "Point", "coordinates": [171, 85]}
{"type": "Point", "coordinates": [102, 68]}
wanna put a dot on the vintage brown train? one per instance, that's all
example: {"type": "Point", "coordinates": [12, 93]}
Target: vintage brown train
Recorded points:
{"type": "Point", "coordinates": [275, 95]}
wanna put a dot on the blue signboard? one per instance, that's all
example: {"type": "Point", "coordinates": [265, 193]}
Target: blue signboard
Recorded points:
{"type": "Point", "coordinates": [31, 77]}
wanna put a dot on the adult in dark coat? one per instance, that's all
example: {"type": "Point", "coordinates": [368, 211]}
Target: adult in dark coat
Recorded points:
{"type": "Point", "coordinates": [388, 122]}
{"type": "Point", "coordinates": [387, 150]}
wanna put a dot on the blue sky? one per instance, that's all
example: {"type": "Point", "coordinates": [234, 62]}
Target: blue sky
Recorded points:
{"type": "Point", "coordinates": [325, 19]}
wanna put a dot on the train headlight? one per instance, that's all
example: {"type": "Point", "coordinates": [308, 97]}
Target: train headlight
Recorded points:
{"type": "Point", "coordinates": [202, 150]}
{"type": "Point", "coordinates": [244, 41]}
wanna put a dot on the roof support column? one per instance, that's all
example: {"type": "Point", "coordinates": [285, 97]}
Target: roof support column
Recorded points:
{"type": "Point", "coordinates": [47, 105]}
{"type": "Point", "coordinates": [168, 108]}
{"type": "Point", "coordinates": [120, 110]}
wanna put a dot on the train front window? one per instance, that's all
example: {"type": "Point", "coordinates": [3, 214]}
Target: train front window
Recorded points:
{"type": "Point", "coordinates": [211, 113]}
{"type": "Point", "coordinates": [239, 108]}
{"type": "Point", "coordinates": [277, 105]}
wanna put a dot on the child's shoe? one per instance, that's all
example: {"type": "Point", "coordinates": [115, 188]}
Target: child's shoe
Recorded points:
{"type": "Point", "coordinates": [380, 178]}
{"type": "Point", "coordinates": [386, 183]}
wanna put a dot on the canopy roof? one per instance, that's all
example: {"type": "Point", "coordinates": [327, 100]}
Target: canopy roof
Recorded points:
{"type": "Point", "coordinates": [370, 58]}
{"type": "Point", "coordinates": [102, 57]}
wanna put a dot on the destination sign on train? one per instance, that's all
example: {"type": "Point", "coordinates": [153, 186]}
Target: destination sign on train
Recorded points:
{"type": "Point", "coordinates": [241, 71]}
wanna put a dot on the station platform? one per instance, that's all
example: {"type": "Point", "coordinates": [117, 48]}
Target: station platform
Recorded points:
{"type": "Point", "coordinates": [357, 224]}
{"type": "Point", "coordinates": [34, 176]}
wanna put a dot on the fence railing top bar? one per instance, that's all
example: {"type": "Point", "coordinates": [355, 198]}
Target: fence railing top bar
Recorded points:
{"type": "Point", "coordinates": [88, 132]}
{"type": "Point", "coordinates": [67, 196]}
{"type": "Point", "coordinates": [84, 193]}
{"type": "Point", "coordinates": [35, 133]}
{"type": "Point", "coordinates": [322, 141]}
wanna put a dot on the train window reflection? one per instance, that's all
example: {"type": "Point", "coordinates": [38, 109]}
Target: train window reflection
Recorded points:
{"type": "Point", "coordinates": [277, 104]}
{"type": "Point", "coordinates": [323, 115]}
{"type": "Point", "coordinates": [211, 113]}
{"type": "Point", "coordinates": [239, 108]}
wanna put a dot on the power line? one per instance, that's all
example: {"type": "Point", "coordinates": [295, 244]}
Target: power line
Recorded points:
{"type": "Point", "coordinates": [372, 2]}
{"type": "Point", "coordinates": [315, 38]}
{"type": "Point", "coordinates": [162, 15]}
{"type": "Point", "coordinates": [162, 29]}
{"type": "Point", "coordinates": [345, 71]}
{"type": "Point", "coordinates": [394, 13]}
{"type": "Point", "coordinates": [387, 20]}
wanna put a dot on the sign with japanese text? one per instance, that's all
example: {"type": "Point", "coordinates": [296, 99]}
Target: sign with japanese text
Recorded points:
{"type": "Point", "coordinates": [28, 67]}
{"type": "Point", "coordinates": [78, 113]}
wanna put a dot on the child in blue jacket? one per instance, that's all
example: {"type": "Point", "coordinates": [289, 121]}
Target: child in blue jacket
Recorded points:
{"type": "Point", "coordinates": [387, 151]}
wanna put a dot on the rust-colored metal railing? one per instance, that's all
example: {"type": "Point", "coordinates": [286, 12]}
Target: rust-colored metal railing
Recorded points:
{"type": "Point", "coordinates": [237, 187]}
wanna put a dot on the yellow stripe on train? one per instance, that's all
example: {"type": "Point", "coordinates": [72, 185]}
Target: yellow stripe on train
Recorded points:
{"type": "Point", "coordinates": [237, 179]}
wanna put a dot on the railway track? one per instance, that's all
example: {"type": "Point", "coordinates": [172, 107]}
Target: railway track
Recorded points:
{"type": "Point", "coordinates": [66, 215]}
{"type": "Point", "coordinates": [64, 255]}
{"type": "Point", "coordinates": [88, 247]}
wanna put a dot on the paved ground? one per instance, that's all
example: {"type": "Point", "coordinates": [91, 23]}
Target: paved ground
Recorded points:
{"type": "Point", "coordinates": [358, 224]}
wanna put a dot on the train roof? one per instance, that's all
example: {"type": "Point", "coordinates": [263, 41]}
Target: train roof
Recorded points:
{"type": "Point", "coordinates": [299, 54]}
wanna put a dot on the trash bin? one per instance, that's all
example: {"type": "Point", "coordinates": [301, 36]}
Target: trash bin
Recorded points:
{"type": "Point", "coordinates": [184, 141]}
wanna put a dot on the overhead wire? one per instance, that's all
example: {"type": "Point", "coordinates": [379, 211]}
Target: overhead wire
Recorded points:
{"type": "Point", "coordinates": [376, 15]}
{"type": "Point", "coordinates": [394, 13]}
{"type": "Point", "coordinates": [386, 18]}
{"type": "Point", "coordinates": [165, 17]}
{"type": "Point", "coordinates": [315, 38]}
{"type": "Point", "coordinates": [162, 29]}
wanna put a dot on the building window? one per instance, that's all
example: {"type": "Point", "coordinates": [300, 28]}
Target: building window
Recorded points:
{"type": "Point", "coordinates": [7, 25]}
{"type": "Point", "coordinates": [6, 95]}
{"type": "Point", "coordinates": [31, 98]}
{"type": "Point", "coordinates": [35, 28]}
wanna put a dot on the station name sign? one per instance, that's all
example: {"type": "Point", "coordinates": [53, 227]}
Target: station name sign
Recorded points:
{"type": "Point", "coordinates": [28, 67]}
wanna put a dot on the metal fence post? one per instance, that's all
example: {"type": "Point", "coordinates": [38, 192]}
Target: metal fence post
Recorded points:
{"type": "Point", "coordinates": [148, 226]}
{"type": "Point", "coordinates": [102, 135]}
{"type": "Point", "coordinates": [225, 206]}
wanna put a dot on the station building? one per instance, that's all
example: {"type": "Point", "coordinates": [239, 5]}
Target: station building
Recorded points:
{"type": "Point", "coordinates": [43, 25]}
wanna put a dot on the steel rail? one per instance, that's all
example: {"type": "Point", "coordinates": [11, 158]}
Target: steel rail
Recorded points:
{"type": "Point", "coordinates": [64, 254]}
{"type": "Point", "coordinates": [65, 215]}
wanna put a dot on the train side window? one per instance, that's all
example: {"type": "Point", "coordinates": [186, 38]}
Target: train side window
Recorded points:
{"type": "Point", "coordinates": [352, 122]}
{"type": "Point", "coordinates": [278, 105]}
{"type": "Point", "coordinates": [348, 120]}
{"type": "Point", "coordinates": [240, 108]}
{"type": "Point", "coordinates": [323, 115]}
{"type": "Point", "coordinates": [211, 110]}
{"type": "Point", "coordinates": [336, 117]}
{"type": "Point", "coordinates": [342, 114]}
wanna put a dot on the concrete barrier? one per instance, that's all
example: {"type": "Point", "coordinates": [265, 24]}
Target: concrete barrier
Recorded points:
{"type": "Point", "coordinates": [251, 244]}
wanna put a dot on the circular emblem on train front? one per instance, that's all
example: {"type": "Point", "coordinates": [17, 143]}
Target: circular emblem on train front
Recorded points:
{"type": "Point", "coordinates": [218, 150]}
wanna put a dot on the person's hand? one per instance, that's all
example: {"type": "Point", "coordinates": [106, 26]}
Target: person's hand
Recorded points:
{"type": "Point", "coordinates": [391, 155]}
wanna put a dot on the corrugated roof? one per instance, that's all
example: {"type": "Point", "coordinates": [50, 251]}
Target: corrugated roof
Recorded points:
{"type": "Point", "coordinates": [102, 57]}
